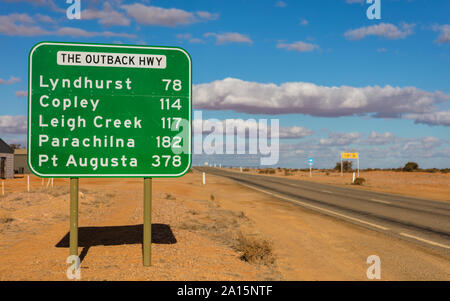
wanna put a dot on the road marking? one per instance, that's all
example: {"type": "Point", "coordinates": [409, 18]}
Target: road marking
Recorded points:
{"type": "Point", "coordinates": [327, 191]}
{"type": "Point", "coordinates": [425, 240]}
{"type": "Point", "coordinates": [380, 201]}
{"type": "Point", "coordinates": [317, 208]}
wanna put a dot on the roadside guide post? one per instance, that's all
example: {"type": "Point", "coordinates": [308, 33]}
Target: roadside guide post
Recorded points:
{"type": "Point", "coordinates": [109, 111]}
{"type": "Point", "coordinates": [310, 162]}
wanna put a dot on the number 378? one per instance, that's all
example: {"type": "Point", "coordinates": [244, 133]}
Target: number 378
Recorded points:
{"type": "Point", "coordinates": [166, 160]}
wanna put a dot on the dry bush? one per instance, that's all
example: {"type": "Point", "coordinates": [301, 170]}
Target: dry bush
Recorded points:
{"type": "Point", "coordinates": [246, 169]}
{"type": "Point", "coordinates": [58, 191]}
{"type": "Point", "coordinates": [170, 197]}
{"type": "Point", "coordinates": [224, 226]}
{"type": "Point", "coordinates": [5, 219]}
{"type": "Point", "coordinates": [359, 181]}
{"type": "Point", "coordinates": [287, 172]}
{"type": "Point", "coordinates": [266, 171]}
{"type": "Point", "coordinates": [211, 197]}
{"type": "Point", "coordinates": [254, 250]}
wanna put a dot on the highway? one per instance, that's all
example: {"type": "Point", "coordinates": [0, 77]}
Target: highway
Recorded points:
{"type": "Point", "coordinates": [425, 222]}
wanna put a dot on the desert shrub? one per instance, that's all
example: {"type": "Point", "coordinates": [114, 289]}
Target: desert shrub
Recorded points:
{"type": "Point", "coordinates": [266, 171]}
{"type": "Point", "coordinates": [211, 197]}
{"type": "Point", "coordinates": [346, 166]}
{"type": "Point", "coordinates": [255, 250]}
{"type": "Point", "coordinates": [359, 181]}
{"type": "Point", "coordinates": [411, 166]}
{"type": "Point", "coordinates": [6, 220]}
{"type": "Point", "coordinates": [170, 197]}
{"type": "Point", "coordinates": [246, 169]}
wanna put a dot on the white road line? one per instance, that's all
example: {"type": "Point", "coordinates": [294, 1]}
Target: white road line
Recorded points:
{"type": "Point", "coordinates": [380, 201]}
{"type": "Point", "coordinates": [327, 191]}
{"type": "Point", "coordinates": [317, 208]}
{"type": "Point", "coordinates": [425, 240]}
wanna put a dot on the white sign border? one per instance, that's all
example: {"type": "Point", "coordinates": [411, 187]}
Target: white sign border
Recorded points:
{"type": "Point", "coordinates": [106, 175]}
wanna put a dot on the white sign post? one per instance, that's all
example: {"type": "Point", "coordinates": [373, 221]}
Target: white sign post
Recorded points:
{"type": "Point", "coordinates": [310, 162]}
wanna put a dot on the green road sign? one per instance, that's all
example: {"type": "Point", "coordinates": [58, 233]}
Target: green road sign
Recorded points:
{"type": "Point", "coordinates": [98, 110]}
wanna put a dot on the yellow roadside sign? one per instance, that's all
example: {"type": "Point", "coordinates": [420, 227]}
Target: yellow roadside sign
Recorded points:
{"type": "Point", "coordinates": [349, 155]}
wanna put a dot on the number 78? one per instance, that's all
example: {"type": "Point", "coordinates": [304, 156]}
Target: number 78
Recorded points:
{"type": "Point", "coordinates": [176, 84]}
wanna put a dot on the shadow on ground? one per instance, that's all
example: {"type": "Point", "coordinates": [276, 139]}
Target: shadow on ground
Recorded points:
{"type": "Point", "coordinates": [117, 235]}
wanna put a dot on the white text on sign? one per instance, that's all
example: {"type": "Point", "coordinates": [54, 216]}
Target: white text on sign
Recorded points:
{"type": "Point", "coordinates": [103, 59]}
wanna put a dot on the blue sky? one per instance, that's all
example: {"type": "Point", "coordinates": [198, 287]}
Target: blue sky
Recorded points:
{"type": "Point", "coordinates": [374, 86]}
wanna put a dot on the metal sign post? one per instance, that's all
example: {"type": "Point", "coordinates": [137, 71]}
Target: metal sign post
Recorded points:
{"type": "Point", "coordinates": [358, 165]}
{"type": "Point", "coordinates": [147, 239]}
{"type": "Point", "coordinates": [102, 110]}
{"type": "Point", "coordinates": [349, 156]}
{"type": "Point", "coordinates": [73, 216]}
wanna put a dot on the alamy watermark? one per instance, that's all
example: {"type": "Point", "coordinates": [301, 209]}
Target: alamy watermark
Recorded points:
{"type": "Point", "coordinates": [74, 9]}
{"type": "Point", "coordinates": [374, 270]}
{"type": "Point", "coordinates": [237, 137]}
{"type": "Point", "coordinates": [74, 269]}
{"type": "Point", "coordinates": [374, 10]}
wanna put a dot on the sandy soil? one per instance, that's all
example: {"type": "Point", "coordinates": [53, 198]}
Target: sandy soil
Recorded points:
{"type": "Point", "coordinates": [195, 235]}
{"type": "Point", "coordinates": [433, 186]}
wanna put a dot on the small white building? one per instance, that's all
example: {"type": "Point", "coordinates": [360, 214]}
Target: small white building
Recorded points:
{"type": "Point", "coordinates": [6, 161]}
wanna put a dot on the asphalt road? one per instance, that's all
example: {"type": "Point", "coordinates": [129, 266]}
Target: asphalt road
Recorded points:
{"type": "Point", "coordinates": [425, 222]}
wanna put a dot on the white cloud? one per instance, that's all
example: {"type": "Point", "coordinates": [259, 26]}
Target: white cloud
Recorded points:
{"type": "Point", "coordinates": [22, 93]}
{"type": "Point", "coordinates": [189, 37]}
{"type": "Point", "coordinates": [207, 15]}
{"type": "Point", "coordinates": [432, 118]}
{"type": "Point", "coordinates": [292, 132]}
{"type": "Point", "coordinates": [77, 32]}
{"type": "Point", "coordinates": [444, 37]}
{"type": "Point", "coordinates": [13, 124]}
{"type": "Point", "coordinates": [229, 37]}
{"type": "Point", "coordinates": [45, 18]}
{"type": "Point", "coordinates": [386, 30]}
{"type": "Point", "coordinates": [421, 144]}
{"type": "Point", "coordinates": [171, 17]}
{"type": "Point", "coordinates": [304, 22]}
{"type": "Point", "coordinates": [310, 99]}
{"type": "Point", "coordinates": [106, 16]}
{"type": "Point", "coordinates": [49, 3]}
{"type": "Point", "coordinates": [341, 139]}
{"type": "Point", "coordinates": [280, 4]}
{"type": "Point", "coordinates": [23, 25]}
{"type": "Point", "coordinates": [10, 81]}
{"type": "Point", "coordinates": [298, 46]}
{"type": "Point", "coordinates": [288, 132]}
{"type": "Point", "coordinates": [20, 25]}
{"type": "Point", "coordinates": [375, 138]}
